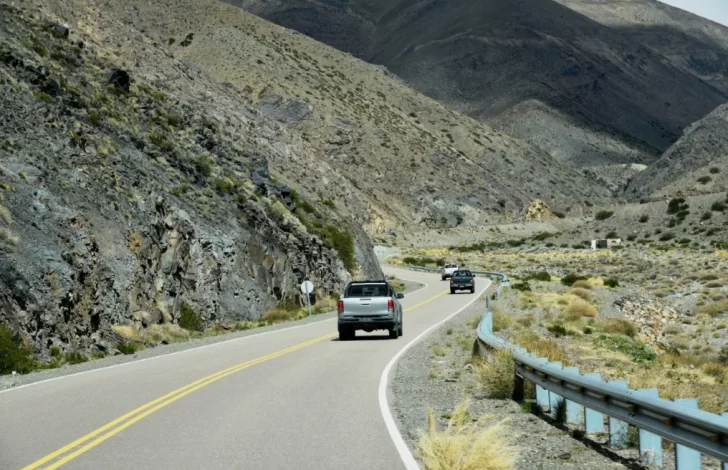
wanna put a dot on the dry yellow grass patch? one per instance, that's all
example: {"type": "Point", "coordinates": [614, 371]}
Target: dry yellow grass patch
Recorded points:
{"type": "Point", "coordinates": [501, 320]}
{"type": "Point", "coordinates": [465, 445]}
{"type": "Point", "coordinates": [579, 309]}
{"type": "Point", "coordinates": [167, 333]}
{"type": "Point", "coordinates": [581, 292]}
{"type": "Point", "coordinates": [127, 332]}
{"type": "Point", "coordinates": [541, 346]}
{"type": "Point", "coordinates": [715, 308]}
{"type": "Point", "coordinates": [495, 374]}
{"type": "Point", "coordinates": [583, 285]}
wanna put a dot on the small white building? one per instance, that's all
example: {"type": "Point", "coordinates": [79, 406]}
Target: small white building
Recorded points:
{"type": "Point", "coordinates": [605, 243]}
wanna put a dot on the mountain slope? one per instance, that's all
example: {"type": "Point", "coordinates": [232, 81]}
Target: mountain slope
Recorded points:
{"type": "Point", "coordinates": [134, 196]}
{"type": "Point", "coordinates": [696, 164]}
{"type": "Point", "coordinates": [405, 159]}
{"type": "Point", "coordinates": [487, 59]}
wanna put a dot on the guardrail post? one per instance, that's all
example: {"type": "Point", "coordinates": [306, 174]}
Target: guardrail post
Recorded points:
{"type": "Point", "coordinates": [685, 457]}
{"type": "Point", "coordinates": [650, 444]}
{"type": "Point", "coordinates": [593, 420]}
{"type": "Point", "coordinates": [618, 428]}
{"type": "Point", "coordinates": [574, 411]}
{"type": "Point", "coordinates": [724, 465]}
{"type": "Point", "coordinates": [519, 388]}
{"type": "Point", "coordinates": [555, 399]}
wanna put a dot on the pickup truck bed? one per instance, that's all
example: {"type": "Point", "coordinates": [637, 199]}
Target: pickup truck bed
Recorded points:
{"type": "Point", "coordinates": [462, 280]}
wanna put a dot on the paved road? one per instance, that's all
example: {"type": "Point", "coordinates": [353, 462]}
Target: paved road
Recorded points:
{"type": "Point", "coordinates": [295, 398]}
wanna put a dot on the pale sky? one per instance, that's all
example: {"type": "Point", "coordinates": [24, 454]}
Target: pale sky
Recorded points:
{"type": "Point", "coordinates": [716, 10]}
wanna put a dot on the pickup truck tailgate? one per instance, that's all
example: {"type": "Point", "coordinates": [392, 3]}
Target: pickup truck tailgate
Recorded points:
{"type": "Point", "coordinates": [366, 307]}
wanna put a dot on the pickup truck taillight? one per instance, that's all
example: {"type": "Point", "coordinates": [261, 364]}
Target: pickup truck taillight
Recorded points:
{"type": "Point", "coordinates": [390, 305]}
{"type": "Point", "coordinates": [341, 307]}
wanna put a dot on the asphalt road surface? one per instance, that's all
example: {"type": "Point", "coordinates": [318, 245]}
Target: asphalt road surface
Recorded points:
{"type": "Point", "coordinates": [295, 398]}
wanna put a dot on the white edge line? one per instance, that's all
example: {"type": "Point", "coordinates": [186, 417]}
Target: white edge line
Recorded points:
{"type": "Point", "coordinates": [405, 454]}
{"type": "Point", "coordinates": [161, 356]}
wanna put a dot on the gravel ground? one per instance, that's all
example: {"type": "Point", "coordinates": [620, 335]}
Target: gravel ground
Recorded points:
{"type": "Point", "coordinates": [10, 381]}
{"type": "Point", "coordinates": [424, 379]}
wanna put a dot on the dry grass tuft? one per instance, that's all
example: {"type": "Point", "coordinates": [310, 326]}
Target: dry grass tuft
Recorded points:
{"type": "Point", "coordinates": [127, 332]}
{"type": "Point", "coordinates": [464, 445]}
{"type": "Point", "coordinates": [167, 333]}
{"type": "Point", "coordinates": [581, 293]}
{"type": "Point", "coordinates": [715, 309]}
{"type": "Point", "coordinates": [582, 285]}
{"type": "Point", "coordinates": [579, 309]}
{"type": "Point", "coordinates": [280, 315]}
{"type": "Point", "coordinates": [620, 326]}
{"type": "Point", "coordinates": [541, 346]}
{"type": "Point", "coordinates": [495, 374]}
{"type": "Point", "coordinates": [501, 320]}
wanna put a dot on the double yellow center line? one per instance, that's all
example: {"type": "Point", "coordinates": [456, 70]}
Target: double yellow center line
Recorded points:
{"type": "Point", "coordinates": [108, 430]}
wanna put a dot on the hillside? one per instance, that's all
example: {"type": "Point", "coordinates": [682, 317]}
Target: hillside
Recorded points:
{"type": "Point", "coordinates": [696, 164]}
{"type": "Point", "coordinates": [617, 93]}
{"type": "Point", "coordinates": [133, 195]}
{"type": "Point", "coordinates": [384, 153]}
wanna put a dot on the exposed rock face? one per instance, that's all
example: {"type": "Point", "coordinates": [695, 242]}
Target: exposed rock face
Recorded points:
{"type": "Point", "coordinates": [538, 210]}
{"type": "Point", "coordinates": [124, 200]}
{"type": "Point", "coordinates": [651, 318]}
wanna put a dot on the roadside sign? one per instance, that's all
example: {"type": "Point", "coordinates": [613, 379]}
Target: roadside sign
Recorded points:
{"type": "Point", "coordinates": [307, 287]}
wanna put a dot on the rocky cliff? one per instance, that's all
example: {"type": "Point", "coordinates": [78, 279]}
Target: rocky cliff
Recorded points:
{"type": "Point", "coordinates": [127, 194]}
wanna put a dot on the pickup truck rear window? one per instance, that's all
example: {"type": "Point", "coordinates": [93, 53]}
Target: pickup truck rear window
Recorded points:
{"type": "Point", "coordinates": [462, 274]}
{"type": "Point", "coordinates": [367, 290]}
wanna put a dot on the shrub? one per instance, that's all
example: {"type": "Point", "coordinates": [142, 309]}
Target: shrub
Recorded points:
{"type": "Point", "coordinates": [542, 236]}
{"type": "Point", "coordinates": [343, 243]}
{"type": "Point", "coordinates": [13, 356]}
{"type": "Point", "coordinates": [94, 117]}
{"type": "Point", "coordinates": [612, 234]}
{"type": "Point", "coordinates": [495, 374]}
{"type": "Point", "coordinates": [582, 284]}
{"type": "Point", "coordinates": [611, 282]}
{"type": "Point", "coordinates": [516, 243]}
{"type": "Point", "coordinates": [579, 309]}
{"type": "Point", "coordinates": [76, 357]}
{"type": "Point", "coordinates": [603, 215]}
{"type": "Point", "coordinates": [126, 348]}
{"type": "Point", "coordinates": [557, 330]}
{"type": "Point", "coordinates": [501, 320]}
{"type": "Point", "coordinates": [667, 236]}
{"type": "Point", "coordinates": [620, 326]}
{"type": "Point", "coordinates": [558, 214]}
{"type": "Point", "coordinates": [714, 170]}
{"type": "Point", "coordinates": [634, 349]}
{"type": "Point", "coordinates": [715, 309]}
{"type": "Point", "coordinates": [718, 206]}
{"type": "Point", "coordinates": [581, 293]}
{"type": "Point", "coordinates": [677, 205]}
{"type": "Point", "coordinates": [522, 286]}
{"type": "Point", "coordinates": [644, 219]}
{"type": "Point", "coordinates": [189, 319]}
{"type": "Point", "coordinates": [466, 446]}
{"type": "Point", "coordinates": [224, 185]}
{"type": "Point", "coordinates": [706, 216]}
{"type": "Point", "coordinates": [570, 279]}
{"type": "Point", "coordinates": [705, 179]}
{"type": "Point", "coordinates": [542, 276]}
{"type": "Point", "coordinates": [204, 165]}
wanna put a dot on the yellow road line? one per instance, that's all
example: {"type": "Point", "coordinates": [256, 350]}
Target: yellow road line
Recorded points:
{"type": "Point", "coordinates": [116, 426]}
{"type": "Point", "coordinates": [161, 402]}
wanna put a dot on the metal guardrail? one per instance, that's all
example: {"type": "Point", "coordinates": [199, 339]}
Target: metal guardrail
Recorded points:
{"type": "Point", "coordinates": [589, 398]}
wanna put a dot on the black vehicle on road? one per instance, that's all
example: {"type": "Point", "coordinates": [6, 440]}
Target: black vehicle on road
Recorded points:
{"type": "Point", "coordinates": [462, 279]}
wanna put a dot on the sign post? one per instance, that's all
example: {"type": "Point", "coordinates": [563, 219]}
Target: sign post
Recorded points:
{"type": "Point", "coordinates": [307, 288]}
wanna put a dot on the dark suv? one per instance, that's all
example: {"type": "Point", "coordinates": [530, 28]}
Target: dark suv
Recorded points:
{"type": "Point", "coordinates": [462, 279]}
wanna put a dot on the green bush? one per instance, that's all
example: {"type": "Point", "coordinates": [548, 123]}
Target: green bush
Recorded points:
{"type": "Point", "coordinates": [570, 279]}
{"type": "Point", "coordinates": [542, 236]}
{"type": "Point", "coordinates": [516, 243]}
{"type": "Point", "coordinates": [644, 219]}
{"type": "Point", "coordinates": [611, 282]}
{"type": "Point", "coordinates": [543, 276]}
{"type": "Point", "coordinates": [634, 349]}
{"type": "Point", "coordinates": [557, 330]}
{"type": "Point", "coordinates": [677, 205]}
{"type": "Point", "coordinates": [126, 348]}
{"type": "Point", "coordinates": [603, 215]}
{"type": "Point", "coordinates": [76, 357]}
{"type": "Point", "coordinates": [667, 236]}
{"type": "Point", "coordinates": [714, 170]}
{"type": "Point", "coordinates": [204, 165]}
{"type": "Point", "coordinates": [224, 185]}
{"type": "Point", "coordinates": [612, 234]}
{"type": "Point", "coordinates": [342, 242]}
{"type": "Point", "coordinates": [718, 206]}
{"type": "Point", "coordinates": [705, 179]}
{"type": "Point", "coordinates": [522, 286]}
{"type": "Point", "coordinates": [558, 214]}
{"type": "Point", "coordinates": [189, 319]}
{"type": "Point", "coordinates": [13, 356]}
{"type": "Point", "coordinates": [706, 216]}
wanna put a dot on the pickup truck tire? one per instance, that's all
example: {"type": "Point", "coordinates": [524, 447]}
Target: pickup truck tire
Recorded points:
{"type": "Point", "coordinates": [346, 334]}
{"type": "Point", "coordinates": [472, 291]}
{"type": "Point", "coordinates": [452, 291]}
{"type": "Point", "coordinates": [394, 333]}
{"type": "Point", "coordinates": [400, 329]}
{"type": "Point", "coordinates": [443, 278]}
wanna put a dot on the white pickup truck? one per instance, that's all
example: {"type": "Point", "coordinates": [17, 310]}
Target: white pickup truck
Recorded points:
{"type": "Point", "coordinates": [447, 270]}
{"type": "Point", "coordinates": [369, 306]}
